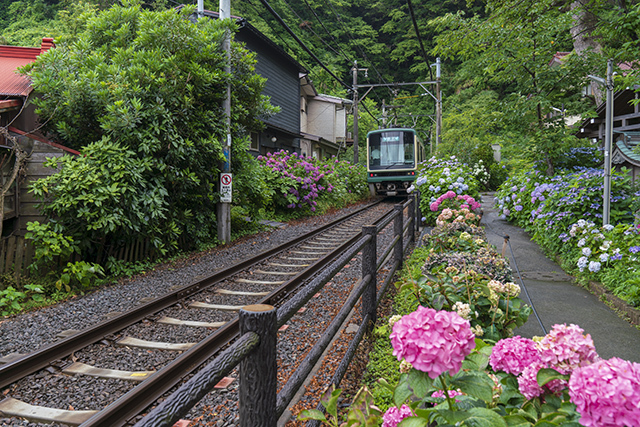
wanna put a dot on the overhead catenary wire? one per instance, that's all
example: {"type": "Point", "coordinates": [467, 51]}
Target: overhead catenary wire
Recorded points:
{"type": "Point", "coordinates": [328, 32]}
{"type": "Point", "coordinates": [301, 43]}
{"type": "Point", "coordinates": [417, 30]}
{"type": "Point", "coordinates": [356, 46]}
{"type": "Point", "coordinates": [313, 32]}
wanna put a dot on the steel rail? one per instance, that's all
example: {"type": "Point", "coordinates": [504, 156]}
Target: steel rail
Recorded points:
{"type": "Point", "coordinates": [41, 358]}
{"type": "Point", "coordinates": [146, 393]}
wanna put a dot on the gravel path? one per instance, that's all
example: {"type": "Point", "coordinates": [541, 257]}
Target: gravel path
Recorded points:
{"type": "Point", "coordinates": [32, 330]}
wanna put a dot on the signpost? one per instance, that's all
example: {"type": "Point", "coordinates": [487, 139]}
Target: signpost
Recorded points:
{"type": "Point", "coordinates": [226, 187]}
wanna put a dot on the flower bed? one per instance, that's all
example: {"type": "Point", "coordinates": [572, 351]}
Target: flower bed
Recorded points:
{"type": "Point", "coordinates": [445, 183]}
{"type": "Point", "coordinates": [306, 184]}
{"type": "Point", "coordinates": [564, 214]}
{"type": "Point", "coordinates": [457, 363]}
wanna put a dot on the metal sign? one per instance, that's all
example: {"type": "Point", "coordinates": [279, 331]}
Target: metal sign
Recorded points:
{"type": "Point", "coordinates": [226, 182]}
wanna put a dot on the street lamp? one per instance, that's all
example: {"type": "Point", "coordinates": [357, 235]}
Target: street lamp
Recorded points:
{"type": "Point", "coordinates": [608, 83]}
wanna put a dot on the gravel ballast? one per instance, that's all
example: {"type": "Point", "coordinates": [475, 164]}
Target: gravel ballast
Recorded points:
{"type": "Point", "coordinates": [30, 331]}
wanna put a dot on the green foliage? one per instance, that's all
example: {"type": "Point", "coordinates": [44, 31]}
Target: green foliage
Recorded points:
{"type": "Point", "coordinates": [13, 300]}
{"type": "Point", "coordinates": [10, 300]}
{"type": "Point", "coordinates": [558, 210]}
{"type": "Point", "coordinates": [510, 52]}
{"type": "Point", "coordinates": [362, 412]}
{"type": "Point", "coordinates": [306, 184]}
{"type": "Point", "coordinates": [50, 245]}
{"type": "Point", "coordinates": [471, 124]}
{"type": "Point", "coordinates": [107, 196]}
{"type": "Point", "coordinates": [78, 275]}
{"type": "Point", "coordinates": [139, 93]}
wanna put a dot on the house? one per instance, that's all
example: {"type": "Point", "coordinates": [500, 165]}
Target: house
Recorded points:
{"type": "Point", "coordinates": [626, 130]}
{"type": "Point", "coordinates": [18, 117]}
{"type": "Point", "coordinates": [308, 123]}
{"type": "Point", "coordinates": [323, 121]}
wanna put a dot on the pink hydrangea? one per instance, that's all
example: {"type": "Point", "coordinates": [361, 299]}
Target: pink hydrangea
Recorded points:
{"type": "Point", "coordinates": [432, 341]}
{"type": "Point", "coordinates": [566, 348]}
{"type": "Point", "coordinates": [450, 393]}
{"type": "Point", "coordinates": [393, 415]}
{"type": "Point", "coordinates": [607, 393]}
{"type": "Point", "coordinates": [513, 355]}
{"type": "Point", "coordinates": [528, 382]}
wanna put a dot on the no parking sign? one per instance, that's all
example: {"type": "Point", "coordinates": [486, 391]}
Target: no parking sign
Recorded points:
{"type": "Point", "coordinates": [226, 181]}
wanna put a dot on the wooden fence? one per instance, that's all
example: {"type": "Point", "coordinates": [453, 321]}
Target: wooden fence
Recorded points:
{"type": "Point", "coordinates": [17, 254]}
{"type": "Point", "coordinates": [260, 404]}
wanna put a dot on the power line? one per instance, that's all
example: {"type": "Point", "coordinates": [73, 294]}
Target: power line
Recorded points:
{"type": "Point", "coordinates": [314, 33]}
{"type": "Point", "coordinates": [327, 31]}
{"type": "Point", "coordinates": [357, 47]}
{"type": "Point", "coordinates": [415, 27]}
{"type": "Point", "coordinates": [301, 43]}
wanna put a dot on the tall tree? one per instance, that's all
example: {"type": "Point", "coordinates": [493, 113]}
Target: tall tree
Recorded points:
{"type": "Point", "coordinates": [512, 49]}
{"type": "Point", "coordinates": [139, 94]}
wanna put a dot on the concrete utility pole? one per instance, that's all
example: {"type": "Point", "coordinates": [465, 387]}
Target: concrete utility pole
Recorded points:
{"type": "Point", "coordinates": [438, 105]}
{"type": "Point", "coordinates": [355, 112]}
{"type": "Point", "coordinates": [200, 9]}
{"type": "Point", "coordinates": [224, 207]}
{"type": "Point", "coordinates": [355, 70]}
{"type": "Point", "coordinates": [608, 140]}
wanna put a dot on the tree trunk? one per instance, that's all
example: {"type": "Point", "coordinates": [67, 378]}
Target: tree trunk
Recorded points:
{"type": "Point", "coordinates": [21, 158]}
{"type": "Point", "coordinates": [583, 39]}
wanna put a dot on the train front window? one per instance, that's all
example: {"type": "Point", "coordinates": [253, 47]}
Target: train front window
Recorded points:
{"type": "Point", "coordinates": [391, 149]}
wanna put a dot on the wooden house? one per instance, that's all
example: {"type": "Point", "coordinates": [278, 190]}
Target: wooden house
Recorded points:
{"type": "Point", "coordinates": [18, 117]}
{"type": "Point", "coordinates": [323, 121]}
{"type": "Point", "coordinates": [308, 123]}
{"type": "Point", "coordinates": [626, 130]}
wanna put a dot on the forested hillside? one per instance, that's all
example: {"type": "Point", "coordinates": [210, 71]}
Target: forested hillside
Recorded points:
{"type": "Point", "coordinates": [498, 85]}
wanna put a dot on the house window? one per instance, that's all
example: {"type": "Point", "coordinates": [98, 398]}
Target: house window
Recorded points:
{"type": "Point", "coordinates": [255, 142]}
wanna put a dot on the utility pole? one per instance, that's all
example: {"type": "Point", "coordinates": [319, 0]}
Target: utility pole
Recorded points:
{"type": "Point", "coordinates": [200, 9]}
{"type": "Point", "coordinates": [608, 142]}
{"type": "Point", "coordinates": [224, 207]}
{"type": "Point", "coordinates": [355, 70]}
{"type": "Point", "coordinates": [384, 114]}
{"type": "Point", "coordinates": [355, 112]}
{"type": "Point", "coordinates": [608, 139]}
{"type": "Point", "coordinates": [438, 105]}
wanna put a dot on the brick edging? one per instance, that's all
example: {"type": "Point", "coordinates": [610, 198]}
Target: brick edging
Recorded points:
{"type": "Point", "coordinates": [632, 314]}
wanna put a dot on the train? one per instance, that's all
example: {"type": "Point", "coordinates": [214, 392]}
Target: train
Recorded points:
{"type": "Point", "coordinates": [393, 155]}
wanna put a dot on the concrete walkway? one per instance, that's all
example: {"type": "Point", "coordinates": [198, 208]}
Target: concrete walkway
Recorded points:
{"type": "Point", "coordinates": [553, 294]}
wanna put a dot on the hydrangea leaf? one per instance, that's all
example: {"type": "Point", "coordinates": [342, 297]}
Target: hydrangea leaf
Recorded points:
{"type": "Point", "coordinates": [476, 384]}
{"type": "Point", "coordinates": [420, 383]}
{"type": "Point", "coordinates": [483, 417]}
{"type": "Point", "coordinates": [547, 374]}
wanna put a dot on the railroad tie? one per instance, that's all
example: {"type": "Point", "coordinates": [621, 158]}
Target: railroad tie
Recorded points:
{"type": "Point", "coordinates": [198, 304]}
{"type": "Point", "coordinates": [276, 273]}
{"type": "Point", "coordinates": [11, 407]}
{"type": "Point", "coordinates": [275, 264]}
{"type": "Point", "coordinates": [173, 321]}
{"type": "Point", "coordinates": [156, 345]}
{"type": "Point", "coordinates": [78, 368]}
{"type": "Point", "coordinates": [259, 282]}
{"type": "Point", "coordinates": [242, 293]}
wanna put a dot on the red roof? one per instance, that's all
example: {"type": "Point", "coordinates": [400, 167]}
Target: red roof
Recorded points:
{"type": "Point", "coordinates": [13, 57]}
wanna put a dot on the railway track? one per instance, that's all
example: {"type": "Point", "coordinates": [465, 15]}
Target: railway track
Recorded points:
{"type": "Point", "coordinates": [179, 331]}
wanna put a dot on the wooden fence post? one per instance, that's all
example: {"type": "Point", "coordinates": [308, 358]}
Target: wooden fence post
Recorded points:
{"type": "Point", "coordinates": [258, 371]}
{"type": "Point", "coordinates": [398, 250]}
{"type": "Point", "coordinates": [369, 267]}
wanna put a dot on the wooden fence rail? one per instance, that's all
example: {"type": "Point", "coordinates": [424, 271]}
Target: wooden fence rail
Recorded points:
{"type": "Point", "coordinates": [259, 404]}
